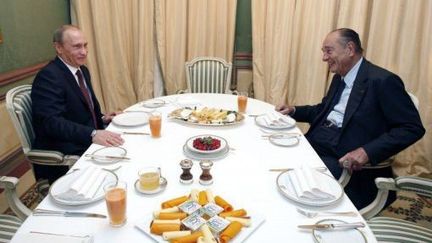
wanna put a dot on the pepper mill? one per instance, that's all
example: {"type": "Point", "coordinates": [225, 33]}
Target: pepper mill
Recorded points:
{"type": "Point", "coordinates": [186, 177]}
{"type": "Point", "coordinates": [206, 178]}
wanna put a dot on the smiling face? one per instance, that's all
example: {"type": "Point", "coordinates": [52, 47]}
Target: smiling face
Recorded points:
{"type": "Point", "coordinates": [73, 48]}
{"type": "Point", "coordinates": [340, 56]}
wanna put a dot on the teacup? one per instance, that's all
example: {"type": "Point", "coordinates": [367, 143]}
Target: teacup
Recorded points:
{"type": "Point", "coordinates": [149, 178]}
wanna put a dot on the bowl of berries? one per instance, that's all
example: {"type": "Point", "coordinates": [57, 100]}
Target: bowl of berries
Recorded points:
{"type": "Point", "coordinates": [206, 144]}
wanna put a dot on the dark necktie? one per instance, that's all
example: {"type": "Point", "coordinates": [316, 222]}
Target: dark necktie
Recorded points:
{"type": "Point", "coordinates": [338, 94]}
{"type": "Point", "coordinates": [86, 96]}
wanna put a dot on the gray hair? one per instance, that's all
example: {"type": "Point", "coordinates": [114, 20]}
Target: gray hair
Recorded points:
{"type": "Point", "coordinates": [58, 33]}
{"type": "Point", "coordinates": [349, 35]}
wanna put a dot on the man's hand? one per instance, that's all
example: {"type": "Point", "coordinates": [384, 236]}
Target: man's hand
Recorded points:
{"type": "Point", "coordinates": [284, 109]}
{"type": "Point", "coordinates": [107, 138]}
{"type": "Point", "coordinates": [107, 118]}
{"type": "Point", "coordinates": [354, 160]}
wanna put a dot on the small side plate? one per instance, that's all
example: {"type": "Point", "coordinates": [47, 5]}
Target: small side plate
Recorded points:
{"type": "Point", "coordinates": [153, 103]}
{"type": "Point", "coordinates": [162, 185]}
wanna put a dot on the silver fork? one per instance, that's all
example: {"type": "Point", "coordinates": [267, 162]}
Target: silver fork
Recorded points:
{"type": "Point", "coordinates": [311, 214]}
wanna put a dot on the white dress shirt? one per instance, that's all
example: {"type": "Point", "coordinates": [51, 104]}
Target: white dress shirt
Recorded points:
{"type": "Point", "coordinates": [337, 114]}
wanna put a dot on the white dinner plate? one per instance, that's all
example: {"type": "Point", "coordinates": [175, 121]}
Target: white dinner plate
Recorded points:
{"type": "Point", "coordinates": [153, 103]}
{"type": "Point", "coordinates": [286, 189]}
{"type": "Point", "coordinates": [330, 236]}
{"type": "Point", "coordinates": [257, 220]}
{"type": "Point", "coordinates": [287, 124]}
{"type": "Point", "coordinates": [108, 151]}
{"type": "Point", "coordinates": [131, 119]}
{"type": "Point", "coordinates": [284, 139]}
{"type": "Point", "coordinates": [223, 144]}
{"type": "Point", "coordinates": [63, 184]}
{"type": "Point", "coordinates": [199, 156]}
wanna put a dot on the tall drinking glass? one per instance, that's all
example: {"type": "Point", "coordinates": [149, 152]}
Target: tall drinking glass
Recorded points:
{"type": "Point", "coordinates": [242, 98]}
{"type": "Point", "coordinates": [155, 121]}
{"type": "Point", "coordinates": [115, 197]}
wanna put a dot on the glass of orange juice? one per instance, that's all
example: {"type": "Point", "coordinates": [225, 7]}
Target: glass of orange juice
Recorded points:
{"type": "Point", "coordinates": [155, 121]}
{"type": "Point", "coordinates": [149, 178]}
{"type": "Point", "coordinates": [115, 197]}
{"type": "Point", "coordinates": [242, 98]}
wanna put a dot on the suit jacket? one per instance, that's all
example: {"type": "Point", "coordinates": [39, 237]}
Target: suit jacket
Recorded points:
{"type": "Point", "coordinates": [380, 115]}
{"type": "Point", "coordinates": [62, 120]}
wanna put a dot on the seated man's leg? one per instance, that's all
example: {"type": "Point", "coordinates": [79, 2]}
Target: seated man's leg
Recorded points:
{"type": "Point", "coordinates": [52, 173]}
{"type": "Point", "coordinates": [361, 188]}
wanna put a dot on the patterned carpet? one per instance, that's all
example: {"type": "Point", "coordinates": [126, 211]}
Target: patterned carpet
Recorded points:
{"type": "Point", "coordinates": [411, 207]}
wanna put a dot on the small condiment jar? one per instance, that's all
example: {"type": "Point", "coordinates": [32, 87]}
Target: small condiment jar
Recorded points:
{"type": "Point", "coordinates": [186, 177]}
{"type": "Point", "coordinates": [206, 178]}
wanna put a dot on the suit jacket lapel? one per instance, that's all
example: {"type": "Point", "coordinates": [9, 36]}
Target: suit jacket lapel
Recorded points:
{"type": "Point", "coordinates": [357, 93]}
{"type": "Point", "coordinates": [71, 81]}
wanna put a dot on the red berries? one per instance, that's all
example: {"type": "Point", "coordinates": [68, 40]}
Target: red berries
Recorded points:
{"type": "Point", "coordinates": [206, 143]}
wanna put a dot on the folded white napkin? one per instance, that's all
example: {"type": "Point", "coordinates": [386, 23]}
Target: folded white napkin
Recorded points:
{"type": "Point", "coordinates": [84, 188]}
{"type": "Point", "coordinates": [309, 186]}
{"type": "Point", "coordinates": [51, 238]}
{"type": "Point", "coordinates": [276, 119]}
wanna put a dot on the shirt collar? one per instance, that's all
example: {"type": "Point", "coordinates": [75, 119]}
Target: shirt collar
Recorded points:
{"type": "Point", "coordinates": [71, 68]}
{"type": "Point", "coordinates": [352, 74]}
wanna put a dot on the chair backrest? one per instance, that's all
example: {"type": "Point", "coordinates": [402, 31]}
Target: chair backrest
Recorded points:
{"type": "Point", "coordinates": [19, 106]}
{"type": "Point", "coordinates": [208, 75]}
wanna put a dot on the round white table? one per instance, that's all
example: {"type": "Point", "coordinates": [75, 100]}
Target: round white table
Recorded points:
{"type": "Point", "coordinates": [242, 177]}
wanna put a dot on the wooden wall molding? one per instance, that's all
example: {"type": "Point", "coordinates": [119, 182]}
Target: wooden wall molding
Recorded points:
{"type": "Point", "coordinates": [20, 74]}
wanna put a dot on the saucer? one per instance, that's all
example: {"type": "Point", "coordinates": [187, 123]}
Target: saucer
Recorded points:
{"type": "Point", "coordinates": [162, 185]}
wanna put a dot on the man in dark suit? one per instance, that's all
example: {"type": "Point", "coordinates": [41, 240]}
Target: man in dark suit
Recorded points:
{"type": "Point", "coordinates": [366, 116]}
{"type": "Point", "coordinates": [66, 112]}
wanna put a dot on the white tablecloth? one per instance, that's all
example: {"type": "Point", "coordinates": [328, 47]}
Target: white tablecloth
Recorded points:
{"type": "Point", "coordinates": [242, 178]}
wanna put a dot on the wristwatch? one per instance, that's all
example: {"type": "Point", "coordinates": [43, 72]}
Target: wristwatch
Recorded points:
{"type": "Point", "coordinates": [93, 133]}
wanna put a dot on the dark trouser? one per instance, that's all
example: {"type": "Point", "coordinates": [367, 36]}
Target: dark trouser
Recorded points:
{"type": "Point", "coordinates": [52, 173]}
{"type": "Point", "coordinates": [361, 188]}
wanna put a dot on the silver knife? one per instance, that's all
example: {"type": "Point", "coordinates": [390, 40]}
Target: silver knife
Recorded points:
{"type": "Point", "coordinates": [94, 156]}
{"type": "Point", "coordinates": [45, 212]}
{"type": "Point", "coordinates": [332, 226]}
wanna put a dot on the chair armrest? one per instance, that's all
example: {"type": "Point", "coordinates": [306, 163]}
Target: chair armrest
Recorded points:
{"type": "Point", "coordinates": [419, 185]}
{"type": "Point", "coordinates": [49, 157]}
{"type": "Point", "coordinates": [344, 178]}
{"type": "Point", "coordinates": [45, 156]}
{"type": "Point", "coordinates": [9, 184]}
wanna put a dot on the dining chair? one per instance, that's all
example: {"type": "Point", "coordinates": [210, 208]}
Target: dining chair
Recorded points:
{"type": "Point", "coordinates": [346, 176]}
{"type": "Point", "coordinates": [19, 106]}
{"type": "Point", "coordinates": [9, 224]}
{"type": "Point", "coordinates": [208, 75]}
{"type": "Point", "coordinates": [387, 229]}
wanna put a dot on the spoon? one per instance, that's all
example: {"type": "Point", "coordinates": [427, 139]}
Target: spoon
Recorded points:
{"type": "Point", "coordinates": [311, 214]}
